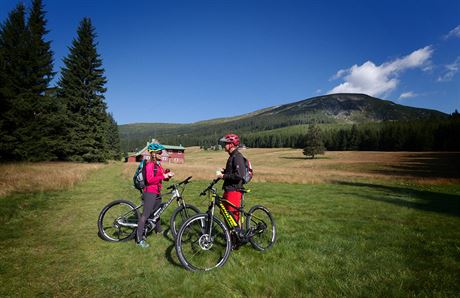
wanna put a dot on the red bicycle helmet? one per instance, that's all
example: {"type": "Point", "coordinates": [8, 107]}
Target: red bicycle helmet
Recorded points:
{"type": "Point", "coordinates": [231, 138]}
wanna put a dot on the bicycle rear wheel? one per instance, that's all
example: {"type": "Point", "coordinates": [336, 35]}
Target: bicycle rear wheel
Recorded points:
{"type": "Point", "coordinates": [118, 221]}
{"type": "Point", "coordinates": [261, 228]}
{"type": "Point", "coordinates": [199, 250]}
{"type": "Point", "coordinates": [180, 215]}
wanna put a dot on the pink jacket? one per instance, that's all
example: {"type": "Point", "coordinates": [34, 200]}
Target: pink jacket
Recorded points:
{"type": "Point", "coordinates": [154, 182]}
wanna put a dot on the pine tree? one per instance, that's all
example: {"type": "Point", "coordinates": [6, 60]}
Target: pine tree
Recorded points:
{"type": "Point", "coordinates": [314, 143]}
{"type": "Point", "coordinates": [41, 49]}
{"type": "Point", "coordinates": [29, 116]}
{"type": "Point", "coordinates": [45, 130]}
{"type": "Point", "coordinates": [14, 95]}
{"type": "Point", "coordinates": [114, 139]}
{"type": "Point", "coordinates": [82, 88]}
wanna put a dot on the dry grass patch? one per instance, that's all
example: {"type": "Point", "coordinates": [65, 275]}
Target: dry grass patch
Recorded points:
{"type": "Point", "coordinates": [290, 166]}
{"type": "Point", "coordinates": [46, 176]}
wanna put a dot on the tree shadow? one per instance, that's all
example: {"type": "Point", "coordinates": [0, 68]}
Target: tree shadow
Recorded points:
{"type": "Point", "coordinates": [302, 158]}
{"type": "Point", "coordinates": [426, 165]}
{"type": "Point", "coordinates": [294, 157]}
{"type": "Point", "coordinates": [448, 204]}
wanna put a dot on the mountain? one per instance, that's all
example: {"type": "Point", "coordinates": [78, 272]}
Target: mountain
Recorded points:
{"type": "Point", "coordinates": [333, 109]}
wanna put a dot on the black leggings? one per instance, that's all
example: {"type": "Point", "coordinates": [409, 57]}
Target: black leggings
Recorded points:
{"type": "Point", "coordinates": [151, 203]}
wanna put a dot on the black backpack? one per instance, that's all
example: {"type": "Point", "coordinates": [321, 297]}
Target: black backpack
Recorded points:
{"type": "Point", "coordinates": [140, 177]}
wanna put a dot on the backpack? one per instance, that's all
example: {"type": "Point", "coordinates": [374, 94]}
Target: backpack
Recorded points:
{"type": "Point", "coordinates": [248, 172]}
{"type": "Point", "coordinates": [140, 177]}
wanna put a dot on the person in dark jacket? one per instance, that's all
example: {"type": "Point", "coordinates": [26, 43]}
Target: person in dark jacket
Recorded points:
{"type": "Point", "coordinates": [155, 174]}
{"type": "Point", "coordinates": [232, 174]}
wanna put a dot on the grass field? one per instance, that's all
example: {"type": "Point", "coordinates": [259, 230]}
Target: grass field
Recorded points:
{"type": "Point", "coordinates": [349, 224]}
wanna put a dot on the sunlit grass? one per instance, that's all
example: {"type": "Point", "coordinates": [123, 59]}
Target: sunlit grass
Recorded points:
{"type": "Point", "coordinates": [46, 176]}
{"type": "Point", "coordinates": [339, 239]}
{"type": "Point", "coordinates": [363, 225]}
{"type": "Point", "coordinates": [285, 165]}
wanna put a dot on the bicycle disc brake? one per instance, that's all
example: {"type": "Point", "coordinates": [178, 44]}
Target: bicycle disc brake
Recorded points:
{"type": "Point", "coordinates": [205, 242]}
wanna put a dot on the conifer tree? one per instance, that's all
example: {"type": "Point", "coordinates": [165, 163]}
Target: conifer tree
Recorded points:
{"type": "Point", "coordinates": [14, 66]}
{"type": "Point", "coordinates": [82, 89]}
{"type": "Point", "coordinates": [314, 144]}
{"type": "Point", "coordinates": [114, 139]}
{"type": "Point", "coordinates": [29, 116]}
{"type": "Point", "coordinates": [45, 127]}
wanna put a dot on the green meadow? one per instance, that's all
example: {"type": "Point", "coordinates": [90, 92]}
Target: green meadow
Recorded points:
{"type": "Point", "coordinates": [340, 238]}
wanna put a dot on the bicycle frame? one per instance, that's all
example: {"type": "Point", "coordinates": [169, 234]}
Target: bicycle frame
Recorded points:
{"type": "Point", "coordinates": [218, 201]}
{"type": "Point", "coordinates": [176, 195]}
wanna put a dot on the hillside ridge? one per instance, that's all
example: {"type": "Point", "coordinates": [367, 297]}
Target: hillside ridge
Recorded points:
{"type": "Point", "coordinates": [332, 109]}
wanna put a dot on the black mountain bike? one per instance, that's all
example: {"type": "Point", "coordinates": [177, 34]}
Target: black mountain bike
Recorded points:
{"type": "Point", "coordinates": [118, 220]}
{"type": "Point", "coordinates": [204, 241]}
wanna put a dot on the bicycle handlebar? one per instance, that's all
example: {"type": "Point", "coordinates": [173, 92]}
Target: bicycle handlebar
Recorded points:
{"type": "Point", "coordinates": [210, 186]}
{"type": "Point", "coordinates": [180, 183]}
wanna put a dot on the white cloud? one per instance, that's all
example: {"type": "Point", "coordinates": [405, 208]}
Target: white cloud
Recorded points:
{"type": "Point", "coordinates": [453, 33]}
{"type": "Point", "coordinates": [376, 80]}
{"type": "Point", "coordinates": [407, 95]}
{"type": "Point", "coordinates": [450, 71]}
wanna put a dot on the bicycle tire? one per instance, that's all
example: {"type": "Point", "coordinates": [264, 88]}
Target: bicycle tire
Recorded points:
{"type": "Point", "coordinates": [261, 224]}
{"type": "Point", "coordinates": [196, 250]}
{"type": "Point", "coordinates": [110, 216]}
{"type": "Point", "coordinates": [179, 216]}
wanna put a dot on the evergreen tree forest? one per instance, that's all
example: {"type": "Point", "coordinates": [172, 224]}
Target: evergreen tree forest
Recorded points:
{"type": "Point", "coordinates": [421, 135]}
{"type": "Point", "coordinates": [435, 134]}
{"type": "Point", "coordinates": [40, 122]}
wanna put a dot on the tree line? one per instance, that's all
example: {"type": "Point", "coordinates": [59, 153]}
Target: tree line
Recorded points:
{"type": "Point", "coordinates": [435, 134]}
{"type": "Point", "coordinates": [416, 135]}
{"type": "Point", "coordinates": [40, 122]}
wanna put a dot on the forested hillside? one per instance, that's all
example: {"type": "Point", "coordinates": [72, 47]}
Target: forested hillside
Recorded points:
{"type": "Point", "coordinates": [281, 126]}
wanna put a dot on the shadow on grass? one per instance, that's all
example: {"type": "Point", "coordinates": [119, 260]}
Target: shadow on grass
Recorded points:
{"type": "Point", "coordinates": [424, 200]}
{"type": "Point", "coordinates": [170, 249]}
{"type": "Point", "coordinates": [426, 165]}
{"type": "Point", "coordinates": [169, 256]}
{"type": "Point", "coordinates": [302, 158]}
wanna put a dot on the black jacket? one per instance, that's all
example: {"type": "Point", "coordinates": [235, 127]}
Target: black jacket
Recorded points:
{"type": "Point", "coordinates": [234, 172]}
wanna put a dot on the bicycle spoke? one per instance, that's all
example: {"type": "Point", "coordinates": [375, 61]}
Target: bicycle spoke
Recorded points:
{"type": "Point", "coordinates": [200, 250]}
{"type": "Point", "coordinates": [180, 215]}
{"type": "Point", "coordinates": [117, 221]}
{"type": "Point", "coordinates": [261, 227]}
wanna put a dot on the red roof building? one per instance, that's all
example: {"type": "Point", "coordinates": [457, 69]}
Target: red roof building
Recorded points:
{"type": "Point", "coordinates": [171, 154]}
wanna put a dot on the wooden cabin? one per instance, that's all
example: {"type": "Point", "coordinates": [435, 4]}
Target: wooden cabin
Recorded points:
{"type": "Point", "coordinates": [171, 154]}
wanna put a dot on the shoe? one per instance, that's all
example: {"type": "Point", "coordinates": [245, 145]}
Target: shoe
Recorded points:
{"type": "Point", "coordinates": [143, 244]}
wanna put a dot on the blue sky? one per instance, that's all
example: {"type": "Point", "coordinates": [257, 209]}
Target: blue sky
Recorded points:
{"type": "Point", "coordinates": [186, 61]}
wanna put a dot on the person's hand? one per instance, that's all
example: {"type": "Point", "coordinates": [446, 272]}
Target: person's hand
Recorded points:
{"type": "Point", "coordinates": [168, 174]}
{"type": "Point", "coordinates": [219, 175]}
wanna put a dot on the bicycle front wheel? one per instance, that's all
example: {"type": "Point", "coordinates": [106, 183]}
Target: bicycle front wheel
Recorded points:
{"type": "Point", "coordinates": [118, 221]}
{"type": "Point", "coordinates": [203, 244]}
{"type": "Point", "coordinates": [180, 215]}
{"type": "Point", "coordinates": [261, 227]}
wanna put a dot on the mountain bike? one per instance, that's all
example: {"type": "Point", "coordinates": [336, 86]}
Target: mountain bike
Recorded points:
{"type": "Point", "coordinates": [117, 221]}
{"type": "Point", "coordinates": [204, 241]}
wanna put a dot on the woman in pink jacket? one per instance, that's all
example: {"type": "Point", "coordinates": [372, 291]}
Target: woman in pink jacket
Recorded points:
{"type": "Point", "coordinates": [151, 196]}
